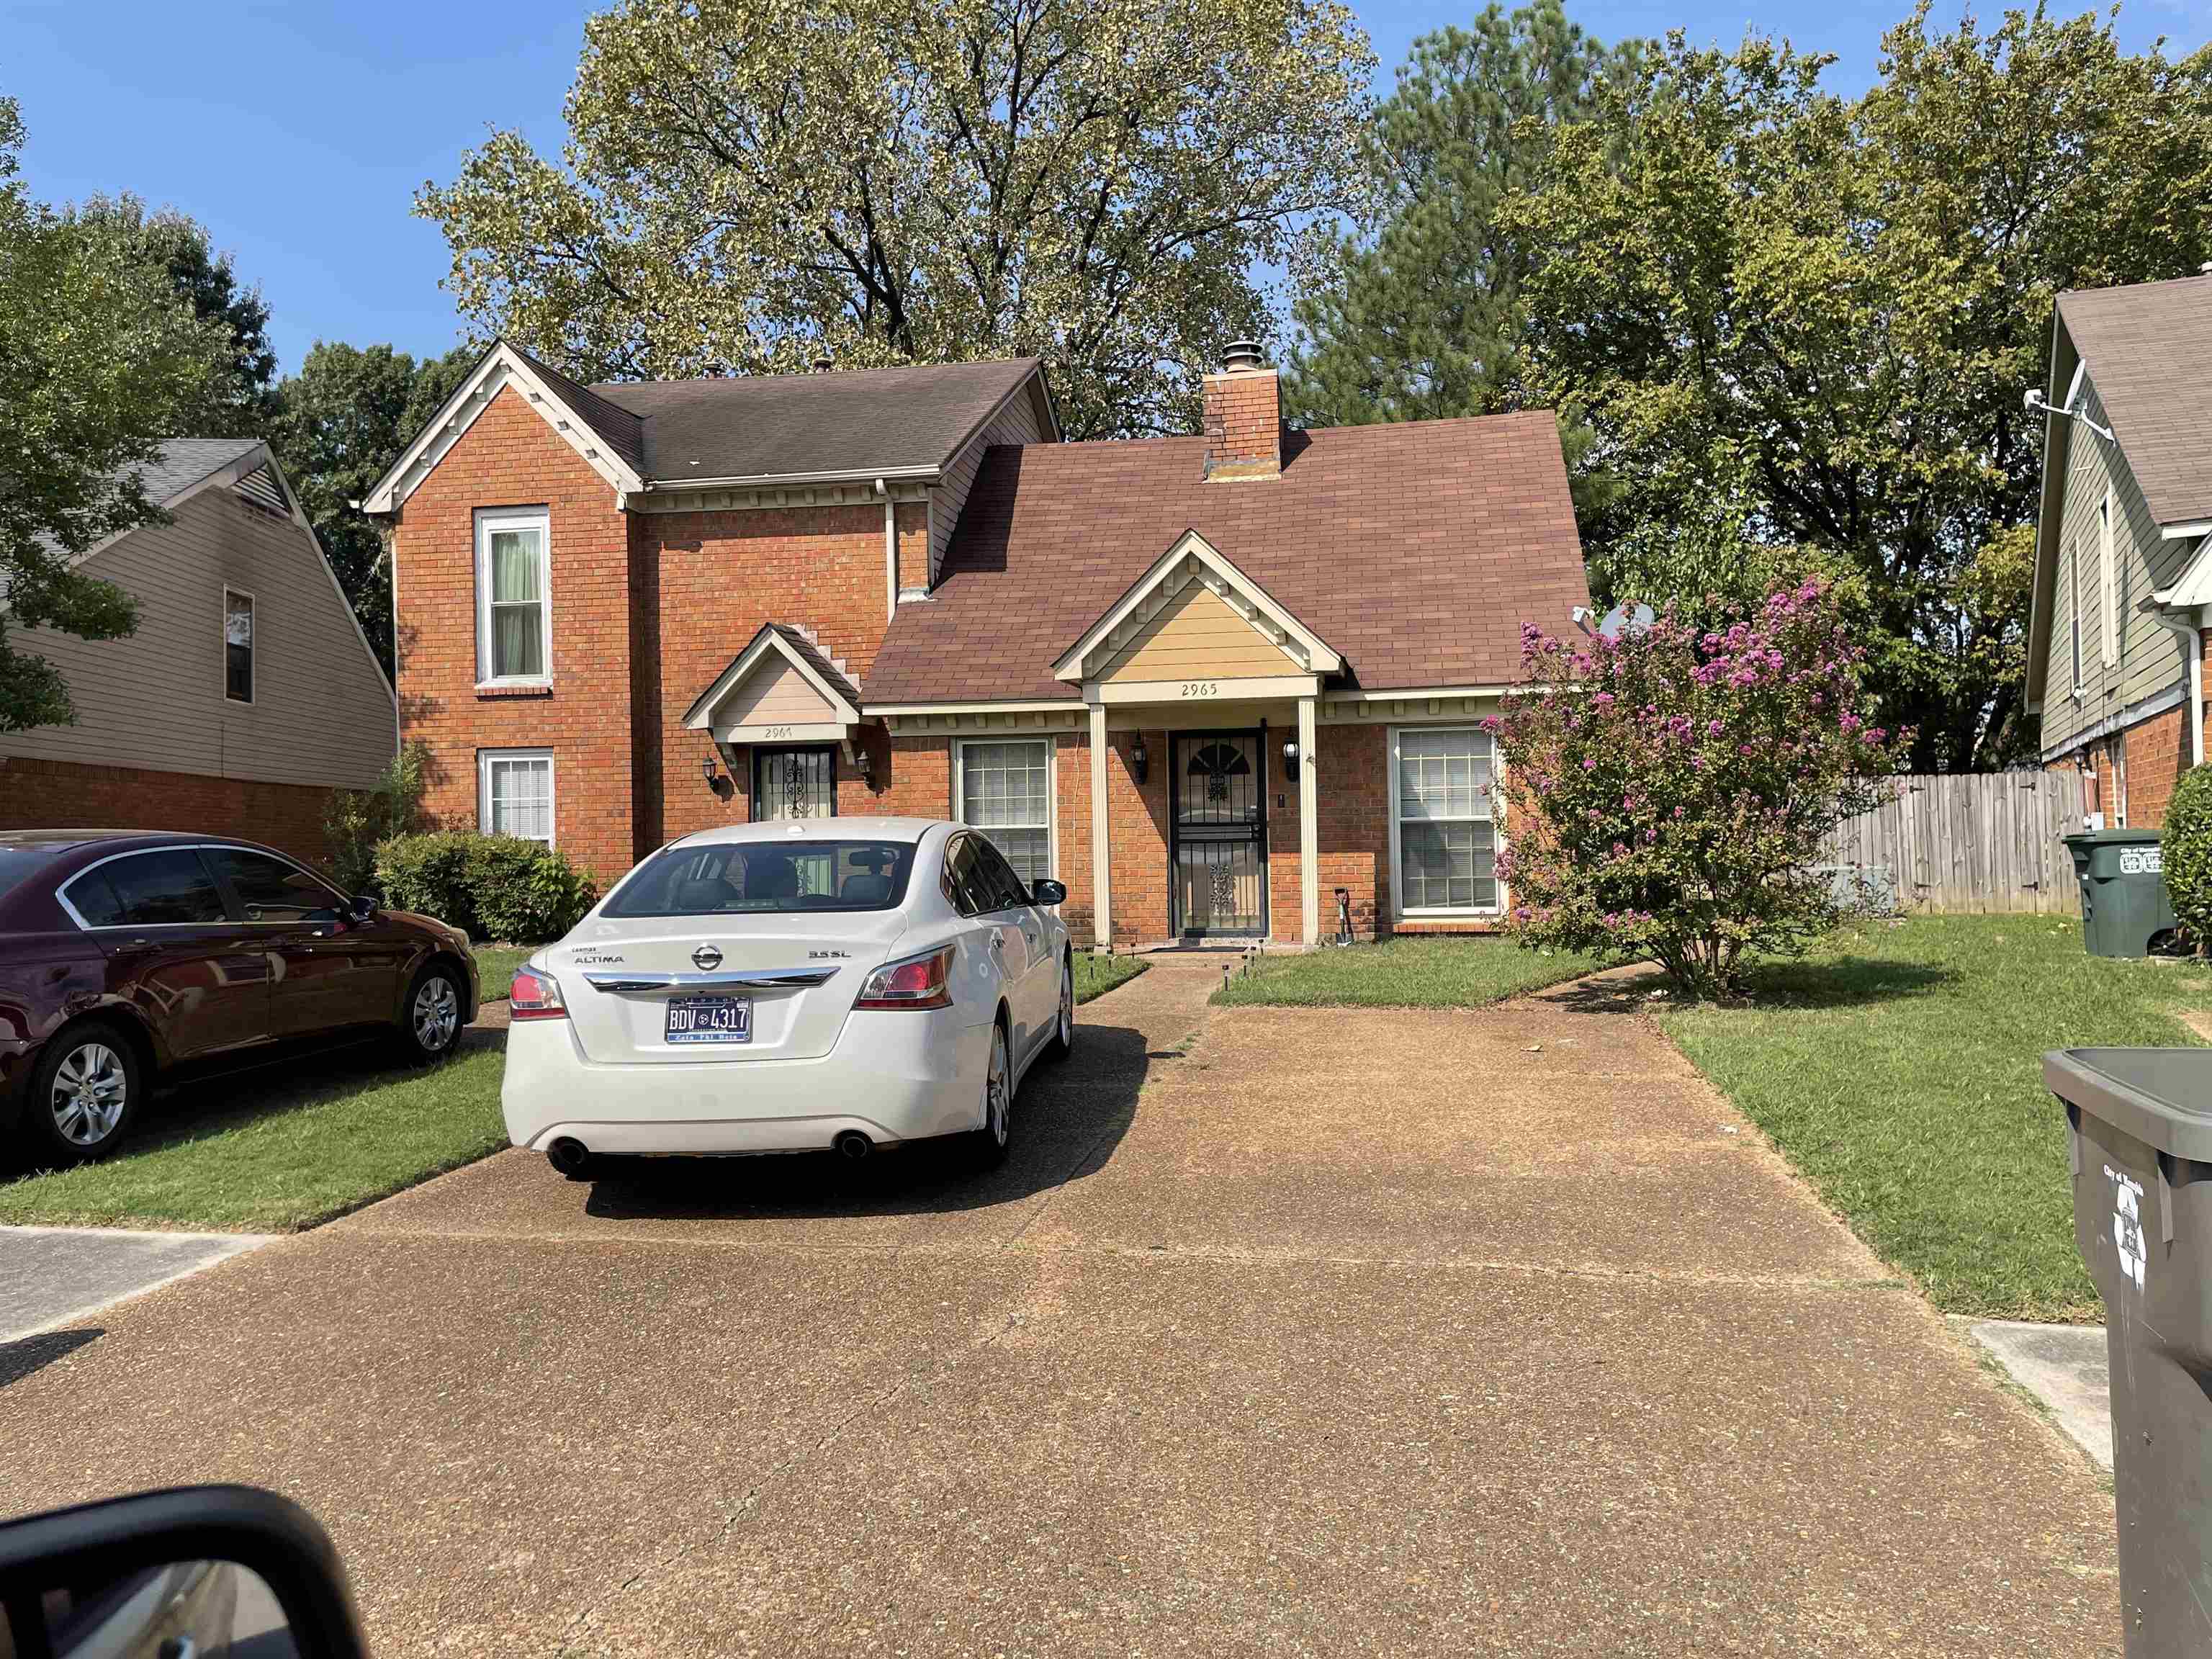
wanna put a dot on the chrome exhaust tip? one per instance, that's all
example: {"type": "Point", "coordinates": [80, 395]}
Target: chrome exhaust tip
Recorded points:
{"type": "Point", "coordinates": [852, 1145]}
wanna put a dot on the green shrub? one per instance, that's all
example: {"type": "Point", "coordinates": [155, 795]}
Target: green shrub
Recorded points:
{"type": "Point", "coordinates": [494, 886]}
{"type": "Point", "coordinates": [359, 820]}
{"type": "Point", "coordinates": [2187, 853]}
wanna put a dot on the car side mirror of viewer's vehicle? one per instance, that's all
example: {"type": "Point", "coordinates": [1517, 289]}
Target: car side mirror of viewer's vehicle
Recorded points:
{"type": "Point", "coordinates": [200, 1569]}
{"type": "Point", "coordinates": [1045, 891]}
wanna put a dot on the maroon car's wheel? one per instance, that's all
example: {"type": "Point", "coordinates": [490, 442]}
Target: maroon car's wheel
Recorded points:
{"type": "Point", "coordinates": [84, 1092]}
{"type": "Point", "coordinates": [430, 1023]}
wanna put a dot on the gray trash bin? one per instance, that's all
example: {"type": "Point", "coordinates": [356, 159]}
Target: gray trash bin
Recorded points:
{"type": "Point", "coordinates": [2141, 1149]}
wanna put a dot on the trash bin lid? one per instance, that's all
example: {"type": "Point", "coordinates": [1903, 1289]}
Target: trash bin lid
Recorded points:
{"type": "Point", "coordinates": [2161, 1095]}
{"type": "Point", "coordinates": [2111, 837]}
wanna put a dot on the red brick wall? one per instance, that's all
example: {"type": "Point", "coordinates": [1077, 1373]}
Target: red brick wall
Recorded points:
{"type": "Point", "coordinates": [511, 458]}
{"type": "Point", "coordinates": [45, 794]}
{"type": "Point", "coordinates": [1244, 425]}
{"type": "Point", "coordinates": [2157, 755]}
{"type": "Point", "coordinates": [913, 545]}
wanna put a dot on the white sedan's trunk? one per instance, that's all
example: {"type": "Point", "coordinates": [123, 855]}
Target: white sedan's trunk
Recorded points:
{"type": "Point", "coordinates": [719, 988]}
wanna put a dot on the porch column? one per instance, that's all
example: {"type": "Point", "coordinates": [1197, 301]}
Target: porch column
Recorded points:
{"type": "Point", "coordinates": [1309, 824]}
{"type": "Point", "coordinates": [1101, 855]}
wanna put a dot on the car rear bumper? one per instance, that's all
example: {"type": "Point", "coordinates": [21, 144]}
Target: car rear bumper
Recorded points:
{"type": "Point", "coordinates": [892, 1076]}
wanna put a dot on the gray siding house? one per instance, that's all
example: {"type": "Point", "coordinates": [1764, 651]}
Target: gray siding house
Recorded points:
{"type": "Point", "coordinates": [247, 691]}
{"type": "Point", "coordinates": [2123, 595]}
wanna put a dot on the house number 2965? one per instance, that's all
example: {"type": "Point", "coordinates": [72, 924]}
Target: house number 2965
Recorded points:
{"type": "Point", "coordinates": [1201, 688]}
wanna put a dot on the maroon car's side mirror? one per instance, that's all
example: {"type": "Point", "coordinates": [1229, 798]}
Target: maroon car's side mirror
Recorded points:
{"type": "Point", "coordinates": [211, 1570]}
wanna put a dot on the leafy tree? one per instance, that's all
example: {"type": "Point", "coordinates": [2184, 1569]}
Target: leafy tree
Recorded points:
{"type": "Point", "coordinates": [237, 399]}
{"type": "Point", "coordinates": [1799, 322]}
{"type": "Point", "coordinates": [340, 423]}
{"type": "Point", "coordinates": [1422, 318]}
{"type": "Point", "coordinates": [97, 354]}
{"type": "Point", "coordinates": [749, 182]}
{"type": "Point", "coordinates": [1668, 790]}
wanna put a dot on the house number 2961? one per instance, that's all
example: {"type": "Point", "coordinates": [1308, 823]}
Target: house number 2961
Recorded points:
{"type": "Point", "coordinates": [1201, 688]}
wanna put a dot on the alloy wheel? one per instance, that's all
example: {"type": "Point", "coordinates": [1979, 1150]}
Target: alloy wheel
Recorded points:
{"type": "Point", "coordinates": [437, 1014]}
{"type": "Point", "coordinates": [89, 1093]}
{"type": "Point", "coordinates": [998, 1098]}
{"type": "Point", "coordinates": [1066, 1005]}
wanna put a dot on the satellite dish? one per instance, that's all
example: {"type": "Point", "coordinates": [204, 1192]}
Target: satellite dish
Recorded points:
{"type": "Point", "coordinates": [1627, 619]}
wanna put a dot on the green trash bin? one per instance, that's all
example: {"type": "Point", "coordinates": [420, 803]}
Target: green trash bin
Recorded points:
{"type": "Point", "coordinates": [2139, 1143]}
{"type": "Point", "coordinates": [2125, 909]}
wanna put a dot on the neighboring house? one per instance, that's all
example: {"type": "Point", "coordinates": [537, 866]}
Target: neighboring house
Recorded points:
{"type": "Point", "coordinates": [1207, 682]}
{"type": "Point", "coordinates": [245, 695]}
{"type": "Point", "coordinates": [2123, 598]}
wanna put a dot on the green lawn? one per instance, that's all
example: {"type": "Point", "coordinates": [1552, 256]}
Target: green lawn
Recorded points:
{"type": "Point", "coordinates": [1096, 976]}
{"type": "Point", "coordinates": [495, 966]}
{"type": "Point", "coordinates": [1900, 1069]}
{"type": "Point", "coordinates": [1402, 973]}
{"type": "Point", "coordinates": [280, 1147]}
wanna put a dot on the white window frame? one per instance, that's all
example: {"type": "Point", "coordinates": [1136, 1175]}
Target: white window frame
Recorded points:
{"type": "Point", "coordinates": [2073, 576]}
{"type": "Point", "coordinates": [1051, 790]}
{"type": "Point", "coordinates": [252, 645]}
{"type": "Point", "coordinates": [2108, 583]}
{"type": "Point", "coordinates": [485, 759]}
{"type": "Point", "coordinates": [1496, 820]}
{"type": "Point", "coordinates": [489, 520]}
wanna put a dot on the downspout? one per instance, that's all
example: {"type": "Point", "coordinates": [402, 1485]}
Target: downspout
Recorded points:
{"type": "Point", "coordinates": [2192, 650]}
{"type": "Point", "coordinates": [890, 550]}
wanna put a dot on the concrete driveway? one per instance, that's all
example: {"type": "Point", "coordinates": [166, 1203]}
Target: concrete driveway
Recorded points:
{"type": "Point", "coordinates": [1335, 1331]}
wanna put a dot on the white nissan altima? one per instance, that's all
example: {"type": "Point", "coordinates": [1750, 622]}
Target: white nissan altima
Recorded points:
{"type": "Point", "coordinates": [792, 985]}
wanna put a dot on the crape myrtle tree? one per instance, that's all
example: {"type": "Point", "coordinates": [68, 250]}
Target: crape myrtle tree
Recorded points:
{"type": "Point", "coordinates": [748, 183]}
{"type": "Point", "coordinates": [1667, 792]}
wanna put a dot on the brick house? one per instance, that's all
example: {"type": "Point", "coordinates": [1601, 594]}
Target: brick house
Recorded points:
{"type": "Point", "coordinates": [247, 692]}
{"type": "Point", "coordinates": [2122, 599]}
{"type": "Point", "coordinates": [1214, 683]}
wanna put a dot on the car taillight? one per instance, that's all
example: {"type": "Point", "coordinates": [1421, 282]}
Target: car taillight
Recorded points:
{"type": "Point", "coordinates": [535, 996]}
{"type": "Point", "coordinates": [910, 982]}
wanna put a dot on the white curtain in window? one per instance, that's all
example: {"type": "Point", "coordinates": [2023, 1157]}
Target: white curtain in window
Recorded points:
{"type": "Point", "coordinates": [517, 604]}
{"type": "Point", "coordinates": [1447, 845]}
{"type": "Point", "coordinates": [1006, 788]}
{"type": "Point", "coordinates": [520, 798]}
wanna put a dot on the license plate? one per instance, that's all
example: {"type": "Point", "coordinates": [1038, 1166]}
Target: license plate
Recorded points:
{"type": "Point", "coordinates": [710, 1019]}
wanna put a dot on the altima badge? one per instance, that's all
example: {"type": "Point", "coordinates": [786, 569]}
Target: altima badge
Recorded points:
{"type": "Point", "coordinates": [706, 958]}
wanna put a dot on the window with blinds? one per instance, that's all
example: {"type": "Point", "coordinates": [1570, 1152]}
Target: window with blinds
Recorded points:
{"type": "Point", "coordinates": [1447, 843]}
{"type": "Point", "coordinates": [1005, 789]}
{"type": "Point", "coordinates": [514, 793]}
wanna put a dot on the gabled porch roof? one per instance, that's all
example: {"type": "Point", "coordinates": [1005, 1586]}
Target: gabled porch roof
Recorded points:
{"type": "Point", "coordinates": [779, 689]}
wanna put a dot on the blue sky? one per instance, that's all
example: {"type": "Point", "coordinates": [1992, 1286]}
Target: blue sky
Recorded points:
{"type": "Point", "coordinates": [299, 133]}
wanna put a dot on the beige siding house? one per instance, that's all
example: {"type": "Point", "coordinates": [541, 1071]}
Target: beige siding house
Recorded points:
{"type": "Point", "coordinates": [247, 690]}
{"type": "Point", "coordinates": [2124, 556]}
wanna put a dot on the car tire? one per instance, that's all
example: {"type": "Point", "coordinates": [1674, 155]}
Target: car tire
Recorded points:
{"type": "Point", "coordinates": [84, 1093]}
{"type": "Point", "coordinates": [990, 1143]}
{"type": "Point", "coordinates": [430, 1018]}
{"type": "Point", "coordinates": [1062, 1043]}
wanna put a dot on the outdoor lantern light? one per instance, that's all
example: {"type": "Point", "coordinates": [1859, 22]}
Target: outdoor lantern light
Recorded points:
{"type": "Point", "coordinates": [1291, 759]}
{"type": "Point", "coordinates": [1137, 756]}
{"type": "Point", "coordinates": [707, 770]}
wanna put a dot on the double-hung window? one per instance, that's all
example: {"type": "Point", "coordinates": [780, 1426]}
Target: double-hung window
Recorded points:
{"type": "Point", "coordinates": [514, 633]}
{"type": "Point", "coordinates": [514, 793]}
{"type": "Point", "coordinates": [237, 646]}
{"type": "Point", "coordinates": [1447, 844]}
{"type": "Point", "coordinates": [1005, 789]}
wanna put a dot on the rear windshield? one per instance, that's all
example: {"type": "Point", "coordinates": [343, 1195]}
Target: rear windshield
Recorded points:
{"type": "Point", "coordinates": [19, 863]}
{"type": "Point", "coordinates": [766, 877]}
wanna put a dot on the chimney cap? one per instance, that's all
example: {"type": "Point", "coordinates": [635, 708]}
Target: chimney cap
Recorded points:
{"type": "Point", "coordinates": [1239, 357]}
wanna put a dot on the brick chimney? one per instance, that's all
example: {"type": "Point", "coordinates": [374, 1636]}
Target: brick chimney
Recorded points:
{"type": "Point", "coordinates": [1244, 417]}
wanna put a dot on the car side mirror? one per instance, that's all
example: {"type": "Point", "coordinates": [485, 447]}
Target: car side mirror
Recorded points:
{"type": "Point", "coordinates": [1045, 891]}
{"type": "Point", "coordinates": [364, 908]}
{"type": "Point", "coordinates": [196, 1570]}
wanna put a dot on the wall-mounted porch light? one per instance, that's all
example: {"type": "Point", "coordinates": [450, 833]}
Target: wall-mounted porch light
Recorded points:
{"type": "Point", "coordinates": [1291, 760]}
{"type": "Point", "coordinates": [1139, 760]}
{"type": "Point", "coordinates": [707, 770]}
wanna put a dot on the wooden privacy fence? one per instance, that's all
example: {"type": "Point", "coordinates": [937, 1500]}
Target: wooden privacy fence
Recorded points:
{"type": "Point", "coordinates": [1966, 842]}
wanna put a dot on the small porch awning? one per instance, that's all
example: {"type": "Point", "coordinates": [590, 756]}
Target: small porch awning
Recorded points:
{"type": "Point", "coordinates": [1195, 628]}
{"type": "Point", "coordinates": [781, 688]}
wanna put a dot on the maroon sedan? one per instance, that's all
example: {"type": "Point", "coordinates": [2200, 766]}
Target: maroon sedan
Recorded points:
{"type": "Point", "coordinates": [125, 954]}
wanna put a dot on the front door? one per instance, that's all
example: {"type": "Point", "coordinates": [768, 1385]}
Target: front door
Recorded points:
{"type": "Point", "coordinates": [1218, 808]}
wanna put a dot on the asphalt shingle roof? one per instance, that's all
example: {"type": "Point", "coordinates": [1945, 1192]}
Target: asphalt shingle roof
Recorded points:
{"type": "Point", "coordinates": [2147, 346]}
{"type": "Point", "coordinates": [763, 426]}
{"type": "Point", "coordinates": [183, 461]}
{"type": "Point", "coordinates": [1416, 550]}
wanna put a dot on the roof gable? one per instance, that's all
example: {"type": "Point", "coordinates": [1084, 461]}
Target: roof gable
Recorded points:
{"type": "Point", "coordinates": [1189, 569]}
{"type": "Point", "coordinates": [2145, 346]}
{"type": "Point", "coordinates": [779, 687]}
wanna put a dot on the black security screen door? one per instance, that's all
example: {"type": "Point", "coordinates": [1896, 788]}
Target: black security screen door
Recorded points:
{"type": "Point", "coordinates": [1217, 800]}
{"type": "Point", "coordinates": [794, 783]}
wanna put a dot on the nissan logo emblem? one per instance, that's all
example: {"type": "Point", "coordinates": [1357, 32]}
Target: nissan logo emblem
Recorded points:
{"type": "Point", "coordinates": [706, 958]}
